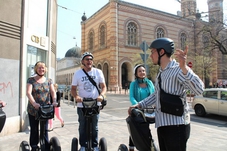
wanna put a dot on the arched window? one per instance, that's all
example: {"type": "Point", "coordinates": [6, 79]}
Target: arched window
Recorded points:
{"type": "Point", "coordinates": [102, 37]}
{"type": "Point", "coordinates": [183, 39]}
{"type": "Point", "coordinates": [91, 41]}
{"type": "Point", "coordinates": [205, 41]}
{"type": "Point", "coordinates": [132, 34]}
{"type": "Point", "coordinates": [160, 33]}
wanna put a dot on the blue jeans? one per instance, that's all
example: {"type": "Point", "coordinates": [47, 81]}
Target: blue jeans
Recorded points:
{"type": "Point", "coordinates": [82, 129]}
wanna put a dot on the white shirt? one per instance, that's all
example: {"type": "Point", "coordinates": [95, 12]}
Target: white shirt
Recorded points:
{"type": "Point", "coordinates": [85, 88]}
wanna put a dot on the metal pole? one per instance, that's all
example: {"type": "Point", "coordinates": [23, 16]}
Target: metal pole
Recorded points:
{"type": "Point", "coordinates": [145, 55]}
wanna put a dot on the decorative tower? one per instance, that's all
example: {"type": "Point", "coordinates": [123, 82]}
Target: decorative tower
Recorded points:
{"type": "Point", "coordinates": [188, 8]}
{"type": "Point", "coordinates": [215, 8]}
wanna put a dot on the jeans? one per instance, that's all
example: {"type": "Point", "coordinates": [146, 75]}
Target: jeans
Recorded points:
{"type": "Point", "coordinates": [34, 132]}
{"type": "Point", "coordinates": [173, 138]}
{"type": "Point", "coordinates": [82, 129]}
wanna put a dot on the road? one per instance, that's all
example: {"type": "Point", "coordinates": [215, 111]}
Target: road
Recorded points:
{"type": "Point", "coordinates": [207, 133]}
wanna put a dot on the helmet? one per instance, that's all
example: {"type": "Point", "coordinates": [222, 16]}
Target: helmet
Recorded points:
{"type": "Point", "coordinates": [136, 67]}
{"type": "Point", "coordinates": [165, 43]}
{"type": "Point", "coordinates": [86, 54]}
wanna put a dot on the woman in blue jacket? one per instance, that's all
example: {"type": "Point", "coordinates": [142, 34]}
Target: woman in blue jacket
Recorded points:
{"type": "Point", "coordinates": [139, 89]}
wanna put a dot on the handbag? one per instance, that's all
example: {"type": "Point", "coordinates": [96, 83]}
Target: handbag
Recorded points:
{"type": "Point", "coordinates": [171, 104]}
{"type": "Point", "coordinates": [45, 112]}
{"type": "Point", "coordinates": [104, 102]}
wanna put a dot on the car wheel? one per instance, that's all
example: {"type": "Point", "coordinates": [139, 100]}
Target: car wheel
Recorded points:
{"type": "Point", "coordinates": [199, 110]}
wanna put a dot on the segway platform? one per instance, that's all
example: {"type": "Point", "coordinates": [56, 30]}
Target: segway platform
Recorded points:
{"type": "Point", "coordinates": [138, 127]}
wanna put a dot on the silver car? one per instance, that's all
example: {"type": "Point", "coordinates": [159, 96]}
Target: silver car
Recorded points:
{"type": "Point", "coordinates": [213, 100]}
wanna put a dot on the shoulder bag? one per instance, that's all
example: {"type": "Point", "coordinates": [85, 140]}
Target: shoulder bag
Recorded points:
{"type": "Point", "coordinates": [171, 104]}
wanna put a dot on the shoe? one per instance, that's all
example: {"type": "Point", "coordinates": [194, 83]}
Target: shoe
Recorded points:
{"type": "Point", "coordinates": [62, 124]}
{"type": "Point", "coordinates": [96, 149]}
{"type": "Point", "coordinates": [82, 149]}
{"type": "Point", "coordinates": [131, 148]}
{"type": "Point", "coordinates": [50, 129]}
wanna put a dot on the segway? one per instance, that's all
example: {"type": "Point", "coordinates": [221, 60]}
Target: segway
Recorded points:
{"type": "Point", "coordinates": [138, 127]}
{"type": "Point", "coordinates": [46, 112]}
{"type": "Point", "coordinates": [89, 110]}
{"type": "Point", "coordinates": [2, 118]}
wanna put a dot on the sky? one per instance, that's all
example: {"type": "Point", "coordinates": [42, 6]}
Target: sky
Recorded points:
{"type": "Point", "coordinates": [71, 11]}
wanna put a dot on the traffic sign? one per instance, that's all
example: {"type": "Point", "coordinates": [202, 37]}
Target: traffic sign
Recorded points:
{"type": "Point", "coordinates": [190, 64]}
{"type": "Point", "coordinates": [143, 57]}
{"type": "Point", "coordinates": [144, 46]}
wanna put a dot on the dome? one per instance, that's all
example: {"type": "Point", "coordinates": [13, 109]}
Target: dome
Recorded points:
{"type": "Point", "coordinates": [73, 52]}
{"type": "Point", "coordinates": [84, 17]}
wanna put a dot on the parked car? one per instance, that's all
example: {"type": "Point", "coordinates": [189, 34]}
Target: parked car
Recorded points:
{"type": "Point", "coordinates": [61, 88]}
{"type": "Point", "coordinates": [67, 90]}
{"type": "Point", "coordinates": [213, 100]}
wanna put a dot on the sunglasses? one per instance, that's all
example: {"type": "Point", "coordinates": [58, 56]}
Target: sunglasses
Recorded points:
{"type": "Point", "coordinates": [87, 59]}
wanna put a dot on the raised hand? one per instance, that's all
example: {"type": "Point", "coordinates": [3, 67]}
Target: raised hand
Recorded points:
{"type": "Point", "coordinates": [182, 58]}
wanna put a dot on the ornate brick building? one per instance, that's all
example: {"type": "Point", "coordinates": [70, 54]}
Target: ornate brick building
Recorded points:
{"type": "Point", "coordinates": [115, 32]}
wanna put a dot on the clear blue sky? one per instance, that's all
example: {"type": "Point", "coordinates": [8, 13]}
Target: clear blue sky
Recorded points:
{"type": "Point", "coordinates": [69, 17]}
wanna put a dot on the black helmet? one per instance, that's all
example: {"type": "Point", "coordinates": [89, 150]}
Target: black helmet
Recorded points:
{"type": "Point", "coordinates": [164, 43]}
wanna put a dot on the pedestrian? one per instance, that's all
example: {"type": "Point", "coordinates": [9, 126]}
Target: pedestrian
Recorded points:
{"type": "Point", "coordinates": [57, 109]}
{"type": "Point", "coordinates": [83, 88]}
{"type": "Point", "coordinates": [139, 89]}
{"type": "Point", "coordinates": [174, 78]}
{"type": "Point", "coordinates": [39, 90]}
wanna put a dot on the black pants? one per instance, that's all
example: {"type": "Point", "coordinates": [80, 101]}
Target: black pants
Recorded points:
{"type": "Point", "coordinates": [34, 133]}
{"type": "Point", "coordinates": [173, 138]}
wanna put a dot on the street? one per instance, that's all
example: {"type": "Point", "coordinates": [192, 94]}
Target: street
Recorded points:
{"type": "Point", "coordinates": [207, 134]}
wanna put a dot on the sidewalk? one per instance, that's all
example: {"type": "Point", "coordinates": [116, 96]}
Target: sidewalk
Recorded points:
{"type": "Point", "coordinates": [114, 129]}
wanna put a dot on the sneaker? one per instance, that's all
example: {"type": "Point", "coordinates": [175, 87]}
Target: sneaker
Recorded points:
{"type": "Point", "coordinates": [82, 149]}
{"type": "Point", "coordinates": [96, 149]}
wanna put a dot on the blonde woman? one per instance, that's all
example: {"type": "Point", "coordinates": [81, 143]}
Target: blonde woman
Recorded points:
{"type": "Point", "coordinates": [57, 109]}
{"type": "Point", "coordinates": [39, 90]}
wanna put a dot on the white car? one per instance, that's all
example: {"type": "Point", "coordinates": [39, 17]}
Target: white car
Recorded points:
{"type": "Point", "coordinates": [213, 100]}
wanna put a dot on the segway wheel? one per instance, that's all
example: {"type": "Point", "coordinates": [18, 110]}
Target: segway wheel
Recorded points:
{"type": "Point", "coordinates": [74, 145]}
{"type": "Point", "coordinates": [102, 144]}
{"type": "Point", "coordinates": [55, 144]}
{"type": "Point", "coordinates": [24, 146]}
{"type": "Point", "coordinates": [122, 147]}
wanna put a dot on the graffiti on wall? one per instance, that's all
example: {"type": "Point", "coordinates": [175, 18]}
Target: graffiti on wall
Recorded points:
{"type": "Point", "coordinates": [6, 87]}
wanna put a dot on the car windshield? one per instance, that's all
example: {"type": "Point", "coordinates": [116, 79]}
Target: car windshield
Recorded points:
{"type": "Point", "coordinates": [61, 86]}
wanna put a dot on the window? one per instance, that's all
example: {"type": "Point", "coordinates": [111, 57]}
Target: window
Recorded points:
{"type": "Point", "coordinates": [183, 40]}
{"type": "Point", "coordinates": [132, 34]}
{"type": "Point", "coordinates": [91, 41]}
{"type": "Point", "coordinates": [210, 94]}
{"type": "Point", "coordinates": [205, 41]}
{"type": "Point", "coordinates": [223, 95]}
{"type": "Point", "coordinates": [102, 37]}
{"type": "Point", "coordinates": [37, 16]}
{"type": "Point", "coordinates": [160, 33]}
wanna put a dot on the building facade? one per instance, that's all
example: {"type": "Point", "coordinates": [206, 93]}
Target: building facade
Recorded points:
{"type": "Point", "coordinates": [115, 35]}
{"type": "Point", "coordinates": [28, 33]}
